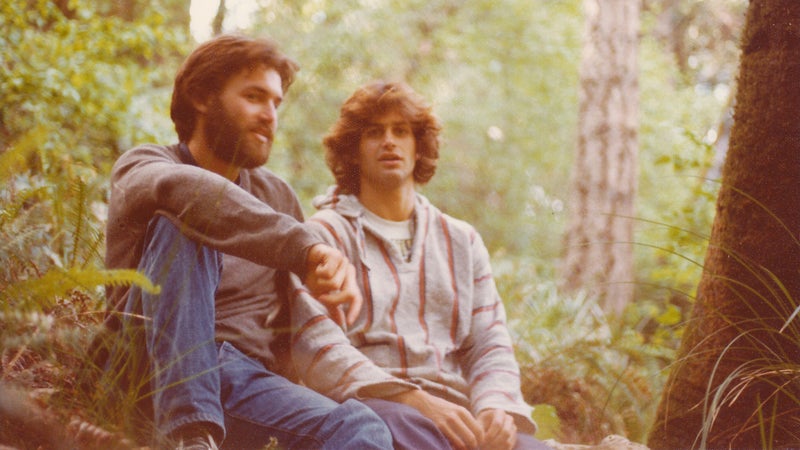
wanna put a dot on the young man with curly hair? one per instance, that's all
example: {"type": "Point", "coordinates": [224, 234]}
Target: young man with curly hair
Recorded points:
{"type": "Point", "coordinates": [430, 350]}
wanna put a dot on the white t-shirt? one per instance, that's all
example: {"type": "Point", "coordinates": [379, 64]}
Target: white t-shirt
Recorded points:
{"type": "Point", "coordinates": [400, 234]}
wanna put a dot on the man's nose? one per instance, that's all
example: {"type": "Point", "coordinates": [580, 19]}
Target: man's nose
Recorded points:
{"type": "Point", "coordinates": [389, 138]}
{"type": "Point", "coordinates": [269, 112]}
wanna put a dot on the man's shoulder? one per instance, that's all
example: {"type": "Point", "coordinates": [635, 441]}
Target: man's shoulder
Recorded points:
{"type": "Point", "coordinates": [144, 150]}
{"type": "Point", "coordinates": [331, 224]}
{"type": "Point", "coordinates": [330, 217]}
{"type": "Point", "coordinates": [261, 176]}
{"type": "Point", "coordinates": [337, 210]}
{"type": "Point", "coordinates": [143, 155]}
{"type": "Point", "coordinates": [271, 189]}
{"type": "Point", "coordinates": [454, 224]}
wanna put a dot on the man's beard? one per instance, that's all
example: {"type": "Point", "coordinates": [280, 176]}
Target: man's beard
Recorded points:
{"type": "Point", "coordinates": [227, 138]}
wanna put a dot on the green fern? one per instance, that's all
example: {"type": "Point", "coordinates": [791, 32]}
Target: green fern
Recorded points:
{"type": "Point", "coordinates": [58, 282]}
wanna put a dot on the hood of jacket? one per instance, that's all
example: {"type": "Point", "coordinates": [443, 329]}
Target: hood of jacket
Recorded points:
{"type": "Point", "coordinates": [348, 205]}
{"type": "Point", "coordinates": [345, 204]}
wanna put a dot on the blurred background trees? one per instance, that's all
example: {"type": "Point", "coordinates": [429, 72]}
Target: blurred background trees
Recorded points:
{"type": "Point", "coordinates": [83, 80]}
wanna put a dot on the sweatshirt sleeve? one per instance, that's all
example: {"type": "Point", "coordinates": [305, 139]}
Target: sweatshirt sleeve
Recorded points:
{"type": "Point", "coordinates": [322, 353]}
{"type": "Point", "coordinates": [207, 207]}
{"type": "Point", "coordinates": [489, 364]}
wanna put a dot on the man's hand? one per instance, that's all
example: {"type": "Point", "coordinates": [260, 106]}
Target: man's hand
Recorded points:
{"type": "Point", "coordinates": [455, 422]}
{"type": "Point", "coordinates": [331, 279]}
{"type": "Point", "coordinates": [499, 430]}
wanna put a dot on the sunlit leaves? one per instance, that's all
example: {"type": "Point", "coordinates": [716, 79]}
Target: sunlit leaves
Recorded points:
{"type": "Point", "coordinates": [76, 76]}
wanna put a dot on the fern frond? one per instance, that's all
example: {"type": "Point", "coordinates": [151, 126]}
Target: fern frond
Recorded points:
{"type": "Point", "coordinates": [58, 283]}
{"type": "Point", "coordinates": [19, 203]}
{"type": "Point", "coordinates": [77, 216]}
{"type": "Point", "coordinates": [87, 237]}
{"type": "Point", "coordinates": [94, 246]}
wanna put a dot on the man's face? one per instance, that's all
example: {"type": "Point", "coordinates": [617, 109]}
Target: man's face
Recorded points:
{"type": "Point", "coordinates": [240, 122]}
{"type": "Point", "coordinates": [387, 153]}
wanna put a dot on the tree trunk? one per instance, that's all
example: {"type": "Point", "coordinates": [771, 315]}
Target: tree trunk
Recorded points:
{"type": "Point", "coordinates": [598, 253]}
{"type": "Point", "coordinates": [736, 382]}
{"type": "Point", "coordinates": [219, 19]}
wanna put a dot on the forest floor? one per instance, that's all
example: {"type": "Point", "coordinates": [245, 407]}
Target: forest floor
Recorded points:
{"type": "Point", "coordinates": [44, 405]}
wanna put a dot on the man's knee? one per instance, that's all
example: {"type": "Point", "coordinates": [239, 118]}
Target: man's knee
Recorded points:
{"type": "Point", "coordinates": [356, 411]}
{"type": "Point", "coordinates": [410, 429]}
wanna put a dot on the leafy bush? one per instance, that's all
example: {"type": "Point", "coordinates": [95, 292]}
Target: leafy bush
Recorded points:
{"type": "Point", "coordinates": [68, 91]}
{"type": "Point", "coordinates": [602, 374]}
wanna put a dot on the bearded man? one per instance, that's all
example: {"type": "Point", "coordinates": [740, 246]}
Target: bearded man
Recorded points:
{"type": "Point", "coordinates": [204, 357]}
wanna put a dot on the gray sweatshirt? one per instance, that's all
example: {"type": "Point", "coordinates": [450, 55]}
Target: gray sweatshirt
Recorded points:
{"type": "Point", "coordinates": [433, 321]}
{"type": "Point", "coordinates": [255, 224]}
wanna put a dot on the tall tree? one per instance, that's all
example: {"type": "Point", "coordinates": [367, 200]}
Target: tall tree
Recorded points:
{"type": "Point", "coordinates": [598, 253]}
{"type": "Point", "coordinates": [735, 384]}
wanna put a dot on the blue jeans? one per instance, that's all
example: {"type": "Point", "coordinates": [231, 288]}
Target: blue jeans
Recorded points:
{"type": "Point", "coordinates": [193, 379]}
{"type": "Point", "coordinates": [410, 429]}
{"type": "Point", "coordinates": [413, 431]}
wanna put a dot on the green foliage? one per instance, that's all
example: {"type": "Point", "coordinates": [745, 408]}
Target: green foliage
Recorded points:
{"type": "Point", "coordinates": [51, 248]}
{"type": "Point", "coordinates": [602, 374]}
{"type": "Point", "coordinates": [76, 87]}
{"type": "Point", "coordinates": [57, 283]}
{"type": "Point", "coordinates": [71, 85]}
{"type": "Point", "coordinates": [547, 422]}
{"type": "Point", "coordinates": [676, 196]}
{"type": "Point", "coordinates": [78, 82]}
{"type": "Point", "coordinates": [50, 283]}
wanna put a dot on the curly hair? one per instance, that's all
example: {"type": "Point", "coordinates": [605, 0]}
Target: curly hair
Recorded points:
{"type": "Point", "coordinates": [212, 64]}
{"type": "Point", "coordinates": [367, 103]}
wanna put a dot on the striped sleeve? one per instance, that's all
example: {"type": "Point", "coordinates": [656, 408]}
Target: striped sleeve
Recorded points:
{"type": "Point", "coordinates": [322, 353]}
{"type": "Point", "coordinates": [490, 366]}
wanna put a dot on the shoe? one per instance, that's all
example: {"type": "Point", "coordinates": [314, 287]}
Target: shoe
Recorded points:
{"type": "Point", "coordinates": [202, 442]}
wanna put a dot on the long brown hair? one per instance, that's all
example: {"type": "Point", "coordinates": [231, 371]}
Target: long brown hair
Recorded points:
{"type": "Point", "coordinates": [366, 104]}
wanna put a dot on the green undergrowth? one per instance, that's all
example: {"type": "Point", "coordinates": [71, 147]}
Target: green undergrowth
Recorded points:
{"type": "Point", "coordinates": [591, 375]}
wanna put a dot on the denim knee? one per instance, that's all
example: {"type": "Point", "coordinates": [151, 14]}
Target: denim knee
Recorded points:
{"type": "Point", "coordinates": [358, 426]}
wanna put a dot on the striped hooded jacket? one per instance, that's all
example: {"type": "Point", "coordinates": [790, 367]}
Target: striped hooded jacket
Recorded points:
{"type": "Point", "coordinates": [433, 321]}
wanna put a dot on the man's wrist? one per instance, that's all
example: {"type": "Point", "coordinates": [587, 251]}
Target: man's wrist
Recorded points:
{"type": "Point", "coordinates": [305, 267]}
{"type": "Point", "coordinates": [409, 397]}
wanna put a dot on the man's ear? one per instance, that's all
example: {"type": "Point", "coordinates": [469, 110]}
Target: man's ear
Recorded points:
{"type": "Point", "coordinates": [201, 104]}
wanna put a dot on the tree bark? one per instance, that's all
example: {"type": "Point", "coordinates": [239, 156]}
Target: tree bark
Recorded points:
{"type": "Point", "coordinates": [219, 19]}
{"type": "Point", "coordinates": [598, 253]}
{"type": "Point", "coordinates": [736, 382]}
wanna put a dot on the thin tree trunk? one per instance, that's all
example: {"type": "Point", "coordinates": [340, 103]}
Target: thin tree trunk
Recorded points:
{"type": "Point", "coordinates": [598, 253]}
{"type": "Point", "coordinates": [219, 19]}
{"type": "Point", "coordinates": [736, 382]}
